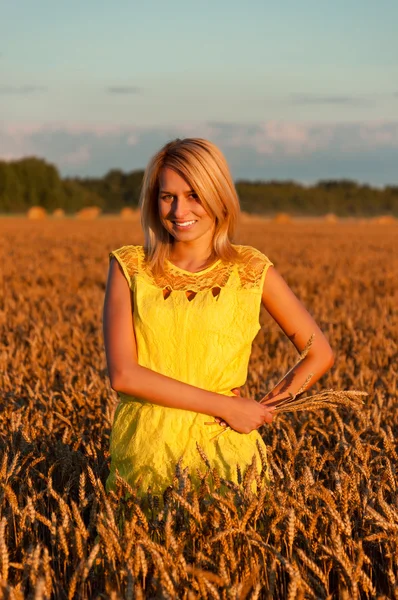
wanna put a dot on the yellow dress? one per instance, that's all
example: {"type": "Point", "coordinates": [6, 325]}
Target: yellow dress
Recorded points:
{"type": "Point", "coordinates": [197, 328]}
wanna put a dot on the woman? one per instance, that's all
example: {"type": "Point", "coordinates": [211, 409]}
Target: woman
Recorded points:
{"type": "Point", "coordinates": [180, 315]}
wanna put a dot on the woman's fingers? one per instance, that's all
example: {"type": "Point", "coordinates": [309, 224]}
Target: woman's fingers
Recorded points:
{"type": "Point", "coordinates": [268, 416]}
{"type": "Point", "coordinates": [248, 415]}
{"type": "Point", "coordinates": [217, 420]}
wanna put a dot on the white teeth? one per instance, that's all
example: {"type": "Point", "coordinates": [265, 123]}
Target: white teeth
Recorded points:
{"type": "Point", "coordinates": [185, 224]}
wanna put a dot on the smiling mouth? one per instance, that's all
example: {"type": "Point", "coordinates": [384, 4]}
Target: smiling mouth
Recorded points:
{"type": "Point", "coordinates": [184, 224]}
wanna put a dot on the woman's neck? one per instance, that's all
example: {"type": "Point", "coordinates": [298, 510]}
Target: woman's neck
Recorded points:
{"type": "Point", "coordinates": [191, 257]}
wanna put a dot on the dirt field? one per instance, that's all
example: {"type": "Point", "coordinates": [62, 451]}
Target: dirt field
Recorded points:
{"type": "Point", "coordinates": [327, 527]}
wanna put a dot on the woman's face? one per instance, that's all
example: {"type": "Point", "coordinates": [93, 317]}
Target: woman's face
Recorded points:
{"type": "Point", "coordinates": [181, 212]}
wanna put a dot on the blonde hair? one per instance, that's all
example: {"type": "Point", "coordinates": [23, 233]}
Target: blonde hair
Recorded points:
{"type": "Point", "coordinates": [205, 169]}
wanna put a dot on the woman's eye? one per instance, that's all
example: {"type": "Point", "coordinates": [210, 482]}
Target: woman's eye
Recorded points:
{"type": "Point", "coordinates": [170, 197]}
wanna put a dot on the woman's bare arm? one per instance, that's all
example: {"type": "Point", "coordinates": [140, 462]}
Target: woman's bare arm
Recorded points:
{"type": "Point", "coordinates": [298, 325]}
{"type": "Point", "coordinates": [128, 377]}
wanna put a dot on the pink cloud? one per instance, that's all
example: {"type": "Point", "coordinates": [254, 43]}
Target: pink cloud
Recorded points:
{"type": "Point", "coordinates": [275, 137]}
{"type": "Point", "coordinates": [80, 142]}
{"type": "Point", "coordinates": [379, 134]}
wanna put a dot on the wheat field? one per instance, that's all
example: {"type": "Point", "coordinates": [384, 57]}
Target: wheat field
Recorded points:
{"type": "Point", "coordinates": [326, 527]}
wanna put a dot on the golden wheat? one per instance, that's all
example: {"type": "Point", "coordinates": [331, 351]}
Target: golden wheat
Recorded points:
{"type": "Point", "coordinates": [326, 526]}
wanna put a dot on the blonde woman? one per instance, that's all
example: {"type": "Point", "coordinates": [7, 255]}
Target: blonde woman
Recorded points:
{"type": "Point", "coordinates": [180, 315]}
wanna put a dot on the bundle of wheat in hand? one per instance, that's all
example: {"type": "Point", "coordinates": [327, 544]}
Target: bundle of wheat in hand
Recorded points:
{"type": "Point", "coordinates": [328, 398]}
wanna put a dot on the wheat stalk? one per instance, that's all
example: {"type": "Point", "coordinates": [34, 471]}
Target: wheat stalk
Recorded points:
{"type": "Point", "coordinates": [296, 402]}
{"type": "Point", "coordinates": [327, 398]}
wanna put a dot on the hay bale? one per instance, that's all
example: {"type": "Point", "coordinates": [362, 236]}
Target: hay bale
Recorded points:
{"type": "Point", "coordinates": [90, 212]}
{"type": "Point", "coordinates": [385, 220]}
{"type": "Point", "coordinates": [282, 218]}
{"type": "Point", "coordinates": [330, 218]}
{"type": "Point", "coordinates": [129, 213]}
{"type": "Point", "coordinates": [36, 212]}
{"type": "Point", "coordinates": [245, 217]}
{"type": "Point", "coordinates": [58, 213]}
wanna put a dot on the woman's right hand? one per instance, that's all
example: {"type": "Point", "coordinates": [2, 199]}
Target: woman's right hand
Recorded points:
{"type": "Point", "coordinates": [245, 414]}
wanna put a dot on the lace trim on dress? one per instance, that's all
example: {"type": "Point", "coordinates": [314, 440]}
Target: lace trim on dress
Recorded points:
{"type": "Point", "coordinates": [251, 271]}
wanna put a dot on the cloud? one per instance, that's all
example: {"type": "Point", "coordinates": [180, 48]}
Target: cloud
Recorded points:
{"type": "Point", "coordinates": [132, 139]}
{"type": "Point", "coordinates": [307, 151]}
{"type": "Point", "coordinates": [310, 99]}
{"type": "Point", "coordinates": [278, 138]}
{"type": "Point", "coordinates": [22, 89]}
{"type": "Point", "coordinates": [77, 157]}
{"type": "Point", "coordinates": [124, 89]}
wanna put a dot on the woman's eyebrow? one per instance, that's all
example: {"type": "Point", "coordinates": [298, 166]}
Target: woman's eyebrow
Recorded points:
{"type": "Point", "coordinates": [172, 193]}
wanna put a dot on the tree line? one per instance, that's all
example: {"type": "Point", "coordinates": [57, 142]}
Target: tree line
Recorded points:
{"type": "Point", "coordinates": [35, 182]}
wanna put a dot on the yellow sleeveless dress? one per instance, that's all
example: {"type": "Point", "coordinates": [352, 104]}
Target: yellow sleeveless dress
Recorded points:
{"type": "Point", "coordinates": [197, 328]}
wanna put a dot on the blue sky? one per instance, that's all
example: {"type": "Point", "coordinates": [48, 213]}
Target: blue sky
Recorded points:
{"type": "Point", "coordinates": [302, 90]}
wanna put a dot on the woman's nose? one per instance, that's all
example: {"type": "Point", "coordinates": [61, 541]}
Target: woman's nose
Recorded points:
{"type": "Point", "coordinates": [180, 207]}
